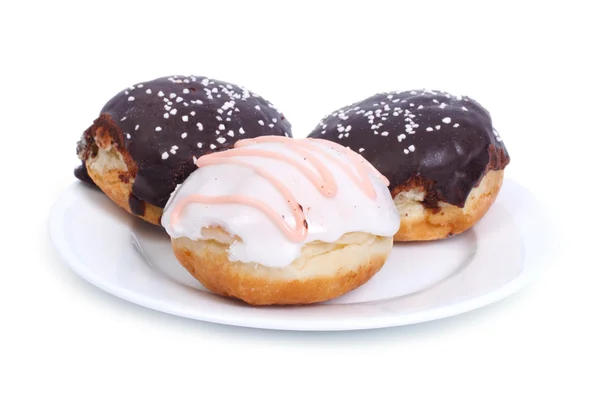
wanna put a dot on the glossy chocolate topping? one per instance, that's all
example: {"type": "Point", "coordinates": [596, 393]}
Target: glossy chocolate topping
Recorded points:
{"type": "Point", "coordinates": [166, 123]}
{"type": "Point", "coordinates": [426, 138]}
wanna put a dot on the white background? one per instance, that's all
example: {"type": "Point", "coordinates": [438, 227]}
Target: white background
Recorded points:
{"type": "Point", "coordinates": [534, 66]}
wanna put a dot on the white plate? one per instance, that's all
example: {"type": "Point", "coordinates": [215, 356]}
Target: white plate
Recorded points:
{"type": "Point", "coordinates": [420, 282]}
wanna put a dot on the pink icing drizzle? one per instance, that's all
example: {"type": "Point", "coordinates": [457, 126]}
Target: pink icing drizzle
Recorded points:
{"type": "Point", "coordinates": [323, 181]}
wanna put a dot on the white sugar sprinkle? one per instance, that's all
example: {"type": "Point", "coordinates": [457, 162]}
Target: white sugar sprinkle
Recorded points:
{"type": "Point", "coordinates": [184, 118]}
{"type": "Point", "coordinates": [123, 119]}
{"type": "Point", "coordinates": [172, 95]}
{"type": "Point", "coordinates": [464, 108]}
{"type": "Point", "coordinates": [340, 128]}
{"type": "Point", "coordinates": [192, 113]}
{"type": "Point", "coordinates": [230, 133]}
{"type": "Point", "coordinates": [186, 91]}
{"type": "Point", "coordinates": [361, 150]}
{"type": "Point", "coordinates": [183, 135]}
{"type": "Point", "coordinates": [221, 127]}
{"type": "Point", "coordinates": [173, 111]}
{"type": "Point", "coordinates": [221, 139]}
{"type": "Point", "coordinates": [420, 107]}
{"type": "Point", "coordinates": [160, 94]}
{"type": "Point", "coordinates": [199, 145]}
{"type": "Point", "coordinates": [137, 127]}
{"type": "Point", "coordinates": [437, 127]}
{"type": "Point", "coordinates": [271, 125]}
{"type": "Point", "coordinates": [406, 151]}
{"type": "Point", "coordinates": [128, 135]}
{"type": "Point", "coordinates": [455, 125]}
{"type": "Point", "coordinates": [200, 127]}
{"type": "Point", "coordinates": [140, 86]}
{"type": "Point", "coordinates": [167, 107]}
{"type": "Point", "coordinates": [166, 115]}
{"type": "Point", "coordinates": [411, 147]}
{"type": "Point", "coordinates": [204, 81]}
{"type": "Point", "coordinates": [158, 129]}
{"type": "Point", "coordinates": [173, 151]}
{"type": "Point", "coordinates": [130, 98]}
{"type": "Point", "coordinates": [429, 129]}
{"type": "Point", "coordinates": [212, 147]}
{"type": "Point", "coordinates": [165, 155]}
{"type": "Point", "coordinates": [341, 135]}
{"type": "Point", "coordinates": [447, 120]}
{"type": "Point", "coordinates": [257, 107]}
{"type": "Point", "coordinates": [260, 121]}
{"type": "Point", "coordinates": [348, 128]}
{"type": "Point", "coordinates": [242, 131]}
{"type": "Point", "coordinates": [179, 99]}
{"type": "Point", "coordinates": [385, 133]}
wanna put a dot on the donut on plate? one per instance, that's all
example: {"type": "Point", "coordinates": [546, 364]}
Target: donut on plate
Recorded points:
{"type": "Point", "coordinates": [147, 137]}
{"type": "Point", "coordinates": [443, 158]}
{"type": "Point", "coordinates": [277, 220]}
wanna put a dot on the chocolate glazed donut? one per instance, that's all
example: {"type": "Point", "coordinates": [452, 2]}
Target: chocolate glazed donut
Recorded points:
{"type": "Point", "coordinates": [146, 139]}
{"type": "Point", "coordinates": [438, 151]}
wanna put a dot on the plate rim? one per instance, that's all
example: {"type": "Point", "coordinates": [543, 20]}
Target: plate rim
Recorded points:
{"type": "Point", "coordinates": [531, 270]}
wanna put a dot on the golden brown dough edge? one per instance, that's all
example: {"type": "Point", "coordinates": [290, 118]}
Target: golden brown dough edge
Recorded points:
{"type": "Point", "coordinates": [110, 172]}
{"type": "Point", "coordinates": [420, 224]}
{"type": "Point", "coordinates": [323, 272]}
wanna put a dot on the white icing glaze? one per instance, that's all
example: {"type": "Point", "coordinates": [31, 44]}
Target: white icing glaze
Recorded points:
{"type": "Point", "coordinates": [262, 241]}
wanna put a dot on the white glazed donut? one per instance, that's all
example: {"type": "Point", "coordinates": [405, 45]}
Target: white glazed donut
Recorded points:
{"type": "Point", "coordinates": [277, 220]}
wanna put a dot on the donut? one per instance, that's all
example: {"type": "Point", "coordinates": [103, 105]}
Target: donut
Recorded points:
{"type": "Point", "coordinates": [281, 221]}
{"type": "Point", "coordinates": [147, 137]}
{"type": "Point", "coordinates": [443, 158]}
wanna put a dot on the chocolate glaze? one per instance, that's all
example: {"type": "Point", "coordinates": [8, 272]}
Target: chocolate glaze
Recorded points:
{"type": "Point", "coordinates": [137, 206]}
{"type": "Point", "coordinates": [165, 123]}
{"type": "Point", "coordinates": [430, 139]}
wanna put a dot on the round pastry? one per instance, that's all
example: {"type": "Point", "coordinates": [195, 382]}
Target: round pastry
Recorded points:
{"type": "Point", "coordinates": [440, 152]}
{"type": "Point", "coordinates": [282, 221]}
{"type": "Point", "coordinates": [147, 137]}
